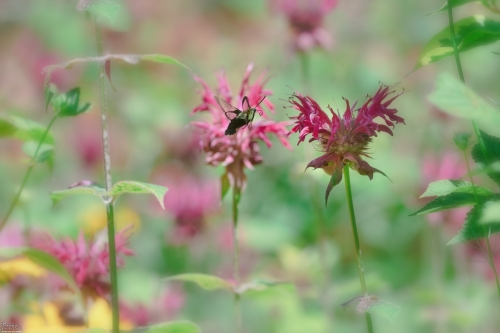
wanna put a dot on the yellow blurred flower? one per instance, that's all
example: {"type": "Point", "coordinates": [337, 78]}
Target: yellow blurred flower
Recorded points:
{"type": "Point", "coordinates": [19, 266]}
{"type": "Point", "coordinates": [94, 219]}
{"type": "Point", "coordinates": [46, 319]}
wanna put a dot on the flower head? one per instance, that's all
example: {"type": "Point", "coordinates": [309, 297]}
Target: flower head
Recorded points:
{"type": "Point", "coordinates": [241, 150]}
{"type": "Point", "coordinates": [344, 140]}
{"type": "Point", "coordinates": [87, 261]}
{"type": "Point", "coordinates": [305, 18]}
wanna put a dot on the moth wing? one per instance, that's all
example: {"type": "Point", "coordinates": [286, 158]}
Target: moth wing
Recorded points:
{"type": "Point", "coordinates": [245, 104]}
{"type": "Point", "coordinates": [230, 111]}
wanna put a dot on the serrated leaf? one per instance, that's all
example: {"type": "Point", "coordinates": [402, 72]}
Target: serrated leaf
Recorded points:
{"type": "Point", "coordinates": [450, 201]}
{"type": "Point", "coordinates": [174, 327]}
{"type": "Point", "coordinates": [205, 281]}
{"type": "Point", "coordinates": [473, 228]}
{"type": "Point", "coordinates": [43, 259]}
{"type": "Point", "coordinates": [45, 152]}
{"type": "Point", "coordinates": [490, 213]}
{"type": "Point", "coordinates": [454, 3]}
{"type": "Point", "coordinates": [462, 140]}
{"type": "Point", "coordinates": [447, 186]}
{"type": "Point", "coordinates": [453, 97]}
{"type": "Point", "coordinates": [489, 156]}
{"type": "Point", "coordinates": [92, 189]}
{"type": "Point", "coordinates": [224, 185]}
{"type": "Point", "coordinates": [68, 104]}
{"type": "Point", "coordinates": [470, 32]}
{"type": "Point", "coordinates": [129, 186]}
{"type": "Point", "coordinates": [384, 309]}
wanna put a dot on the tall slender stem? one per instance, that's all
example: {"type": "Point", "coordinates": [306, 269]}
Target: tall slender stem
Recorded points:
{"type": "Point", "coordinates": [478, 135]}
{"type": "Point", "coordinates": [236, 260]}
{"type": "Point", "coordinates": [359, 257]}
{"type": "Point", "coordinates": [27, 174]}
{"type": "Point", "coordinates": [107, 177]}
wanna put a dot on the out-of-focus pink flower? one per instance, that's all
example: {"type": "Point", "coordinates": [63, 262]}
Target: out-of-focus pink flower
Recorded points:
{"type": "Point", "coordinates": [305, 18]}
{"type": "Point", "coordinates": [87, 261]}
{"type": "Point", "coordinates": [190, 201]}
{"type": "Point", "coordinates": [241, 150]}
{"type": "Point", "coordinates": [12, 236]}
{"type": "Point", "coordinates": [344, 141]}
{"type": "Point", "coordinates": [448, 166]}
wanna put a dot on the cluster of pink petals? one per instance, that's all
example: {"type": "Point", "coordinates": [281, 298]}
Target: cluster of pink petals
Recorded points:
{"type": "Point", "coordinates": [305, 18]}
{"type": "Point", "coordinates": [241, 150]}
{"type": "Point", "coordinates": [190, 201]}
{"type": "Point", "coordinates": [86, 261]}
{"type": "Point", "coordinates": [344, 140]}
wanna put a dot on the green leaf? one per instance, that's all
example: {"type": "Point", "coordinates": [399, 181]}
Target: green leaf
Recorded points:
{"type": "Point", "coordinates": [470, 32]}
{"type": "Point", "coordinates": [452, 200]}
{"type": "Point", "coordinates": [67, 105]}
{"type": "Point", "coordinates": [23, 129]}
{"type": "Point", "coordinates": [454, 3]}
{"type": "Point", "coordinates": [489, 156]}
{"type": "Point", "coordinates": [44, 260]}
{"type": "Point", "coordinates": [453, 97]}
{"type": "Point", "coordinates": [447, 186]}
{"type": "Point", "coordinates": [174, 327]}
{"type": "Point", "coordinates": [474, 227]}
{"type": "Point", "coordinates": [45, 152]}
{"type": "Point", "coordinates": [129, 186]}
{"type": "Point", "coordinates": [260, 285]}
{"type": "Point", "coordinates": [163, 59]}
{"type": "Point", "coordinates": [104, 10]}
{"type": "Point", "coordinates": [384, 309]}
{"type": "Point", "coordinates": [95, 330]}
{"type": "Point", "coordinates": [224, 185]}
{"type": "Point", "coordinates": [205, 281]}
{"type": "Point", "coordinates": [92, 189]}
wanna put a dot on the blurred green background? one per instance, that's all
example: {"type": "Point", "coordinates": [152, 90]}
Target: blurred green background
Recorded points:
{"type": "Point", "coordinates": [287, 234]}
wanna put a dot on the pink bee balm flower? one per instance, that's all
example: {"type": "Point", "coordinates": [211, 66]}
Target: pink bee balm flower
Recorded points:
{"type": "Point", "coordinates": [344, 140]}
{"type": "Point", "coordinates": [86, 261]}
{"type": "Point", "coordinates": [305, 18]}
{"type": "Point", "coordinates": [241, 150]}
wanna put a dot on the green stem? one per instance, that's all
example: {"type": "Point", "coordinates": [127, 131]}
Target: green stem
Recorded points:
{"type": "Point", "coordinates": [478, 135]}
{"type": "Point", "coordinates": [27, 174]}
{"type": "Point", "coordinates": [107, 176]}
{"type": "Point", "coordinates": [359, 257]}
{"type": "Point", "coordinates": [236, 260]}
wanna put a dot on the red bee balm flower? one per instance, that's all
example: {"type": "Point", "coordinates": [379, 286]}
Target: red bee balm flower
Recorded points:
{"type": "Point", "coordinates": [344, 141]}
{"type": "Point", "coordinates": [241, 150]}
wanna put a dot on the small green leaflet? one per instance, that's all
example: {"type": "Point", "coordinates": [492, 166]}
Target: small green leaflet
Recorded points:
{"type": "Point", "coordinates": [445, 202]}
{"type": "Point", "coordinates": [205, 281]}
{"type": "Point", "coordinates": [383, 309]}
{"type": "Point", "coordinates": [224, 185]}
{"type": "Point", "coordinates": [489, 155]}
{"type": "Point", "coordinates": [174, 327]}
{"type": "Point", "coordinates": [470, 32]}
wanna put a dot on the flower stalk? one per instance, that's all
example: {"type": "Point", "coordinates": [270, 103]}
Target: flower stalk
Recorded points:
{"type": "Point", "coordinates": [236, 259]}
{"type": "Point", "coordinates": [359, 257]}
{"type": "Point", "coordinates": [107, 176]}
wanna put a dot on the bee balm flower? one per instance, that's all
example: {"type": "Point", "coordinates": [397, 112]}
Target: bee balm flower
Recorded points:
{"type": "Point", "coordinates": [344, 140]}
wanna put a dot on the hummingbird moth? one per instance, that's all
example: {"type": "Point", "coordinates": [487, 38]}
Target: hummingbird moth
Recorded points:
{"type": "Point", "coordinates": [239, 118]}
